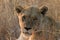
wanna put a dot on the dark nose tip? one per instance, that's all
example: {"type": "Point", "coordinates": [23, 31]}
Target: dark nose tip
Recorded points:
{"type": "Point", "coordinates": [27, 28]}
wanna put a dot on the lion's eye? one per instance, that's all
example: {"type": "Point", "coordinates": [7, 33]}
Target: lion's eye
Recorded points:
{"type": "Point", "coordinates": [23, 18]}
{"type": "Point", "coordinates": [34, 18]}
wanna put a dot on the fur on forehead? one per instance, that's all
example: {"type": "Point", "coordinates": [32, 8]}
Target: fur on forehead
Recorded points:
{"type": "Point", "coordinates": [31, 11]}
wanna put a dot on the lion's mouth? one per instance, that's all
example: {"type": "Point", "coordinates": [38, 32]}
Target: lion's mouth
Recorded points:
{"type": "Point", "coordinates": [27, 33]}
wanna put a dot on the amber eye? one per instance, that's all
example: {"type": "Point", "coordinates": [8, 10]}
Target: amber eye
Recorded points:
{"type": "Point", "coordinates": [23, 18]}
{"type": "Point", "coordinates": [34, 18]}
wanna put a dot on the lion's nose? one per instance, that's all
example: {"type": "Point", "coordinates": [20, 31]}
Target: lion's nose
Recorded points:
{"type": "Point", "coordinates": [27, 28]}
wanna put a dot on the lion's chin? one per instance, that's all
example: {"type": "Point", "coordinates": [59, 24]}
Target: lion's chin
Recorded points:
{"type": "Point", "coordinates": [27, 33]}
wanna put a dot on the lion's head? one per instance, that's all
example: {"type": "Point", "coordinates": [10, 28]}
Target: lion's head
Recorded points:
{"type": "Point", "coordinates": [30, 19]}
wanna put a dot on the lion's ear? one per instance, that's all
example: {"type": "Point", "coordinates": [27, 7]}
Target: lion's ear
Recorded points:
{"type": "Point", "coordinates": [43, 10]}
{"type": "Point", "coordinates": [19, 9]}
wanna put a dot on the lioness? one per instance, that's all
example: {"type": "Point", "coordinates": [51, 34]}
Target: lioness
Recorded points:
{"type": "Point", "coordinates": [35, 25]}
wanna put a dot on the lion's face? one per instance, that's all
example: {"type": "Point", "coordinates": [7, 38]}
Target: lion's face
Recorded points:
{"type": "Point", "coordinates": [30, 19]}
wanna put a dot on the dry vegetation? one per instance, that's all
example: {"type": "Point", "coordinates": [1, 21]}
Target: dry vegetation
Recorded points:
{"type": "Point", "coordinates": [9, 20]}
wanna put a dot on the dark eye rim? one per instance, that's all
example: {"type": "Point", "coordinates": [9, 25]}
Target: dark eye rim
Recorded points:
{"type": "Point", "coordinates": [23, 18]}
{"type": "Point", "coordinates": [35, 19]}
